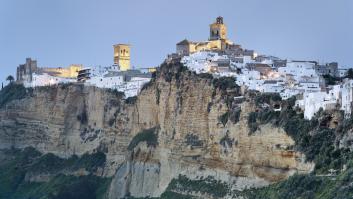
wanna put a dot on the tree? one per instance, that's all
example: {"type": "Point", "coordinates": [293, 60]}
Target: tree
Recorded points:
{"type": "Point", "coordinates": [10, 78]}
{"type": "Point", "coordinates": [350, 73]}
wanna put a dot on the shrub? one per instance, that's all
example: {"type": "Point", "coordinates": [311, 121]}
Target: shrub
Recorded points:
{"type": "Point", "coordinates": [224, 118]}
{"type": "Point", "coordinates": [111, 122]}
{"type": "Point", "coordinates": [330, 80]}
{"type": "Point", "coordinates": [209, 185]}
{"type": "Point", "coordinates": [234, 115]}
{"type": "Point", "coordinates": [12, 92]}
{"type": "Point", "coordinates": [267, 98]}
{"type": "Point", "coordinates": [147, 85]}
{"type": "Point", "coordinates": [115, 92]}
{"type": "Point", "coordinates": [252, 124]}
{"type": "Point", "coordinates": [226, 141]}
{"type": "Point", "coordinates": [131, 100]}
{"type": "Point", "coordinates": [91, 162]}
{"type": "Point", "coordinates": [148, 135]}
{"type": "Point", "coordinates": [224, 83]}
{"type": "Point", "coordinates": [206, 75]}
{"type": "Point", "coordinates": [48, 163]}
{"type": "Point", "coordinates": [83, 118]}
{"type": "Point", "coordinates": [193, 140]}
{"type": "Point", "coordinates": [158, 95]}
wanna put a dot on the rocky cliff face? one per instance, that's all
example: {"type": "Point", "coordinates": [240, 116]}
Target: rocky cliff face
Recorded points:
{"type": "Point", "coordinates": [201, 128]}
{"type": "Point", "coordinates": [67, 120]}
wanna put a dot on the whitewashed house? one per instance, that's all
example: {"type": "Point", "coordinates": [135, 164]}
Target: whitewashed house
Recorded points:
{"type": "Point", "coordinates": [347, 97]}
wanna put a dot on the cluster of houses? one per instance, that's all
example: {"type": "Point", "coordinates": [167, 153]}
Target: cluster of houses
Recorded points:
{"type": "Point", "coordinates": [118, 76]}
{"type": "Point", "coordinates": [128, 81]}
{"type": "Point", "coordinates": [268, 74]}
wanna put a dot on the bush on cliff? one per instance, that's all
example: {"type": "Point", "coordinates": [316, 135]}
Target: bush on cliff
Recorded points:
{"type": "Point", "coordinates": [209, 186]}
{"type": "Point", "coordinates": [148, 135]}
{"type": "Point", "coordinates": [267, 98]}
{"type": "Point", "coordinates": [224, 83]}
{"type": "Point", "coordinates": [131, 100]}
{"type": "Point", "coordinates": [11, 92]}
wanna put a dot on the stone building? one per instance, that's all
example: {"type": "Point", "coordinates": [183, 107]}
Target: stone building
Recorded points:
{"type": "Point", "coordinates": [122, 56]}
{"type": "Point", "coordinates": [327, 69]}
{"type": "Point", "coordinates": [217, 41]}
{"type": "Point", "coordinates": [25, 71]}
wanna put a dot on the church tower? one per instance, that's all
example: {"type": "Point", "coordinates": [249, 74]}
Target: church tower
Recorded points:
{"type": "Point", "coordinates": [122, 56]}
{"type": "Point", "coordinates": [218, 30]}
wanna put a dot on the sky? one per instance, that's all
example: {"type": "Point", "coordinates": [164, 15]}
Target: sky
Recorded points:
{"type": "Point", "coordinates": [58, 33]}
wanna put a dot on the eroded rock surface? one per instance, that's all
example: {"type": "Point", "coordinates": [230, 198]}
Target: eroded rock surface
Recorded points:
{"type": "Point", "coordinates": [195, 137]}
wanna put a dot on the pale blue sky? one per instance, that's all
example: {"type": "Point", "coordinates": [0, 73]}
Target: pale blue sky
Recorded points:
{"type": "Point", "coordinates": [62, 32]}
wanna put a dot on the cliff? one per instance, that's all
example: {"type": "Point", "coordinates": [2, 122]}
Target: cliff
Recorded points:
{"type": "Point", "coordinates": [181, 124]}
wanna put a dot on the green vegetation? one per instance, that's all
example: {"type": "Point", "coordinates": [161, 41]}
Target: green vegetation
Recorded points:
{"type": "Point", "coordinates": [158, 95]}
{"type": "Point", "coordinates": [66, 85]}
{"type": "Point", "coordinates": [16, 164]}
{"type": "Point", "coordinates": [193, 140]}
{"type": "Point", "coordinates": [10, 78]}
{"type": "Point", "coordinates": [115, 92]}
{"type": "Point", "coordinates": [330, 80]}
{"type": "Point", "coordinates": [224, 118]}
{"type": "Point", "coordinates": [209, 185]}
{"type": "Point", "coordinates": [224, 83]}
{"type": "Point", "coordinates": [83, 117]}
{"type": "Point", "coordinates": [227, 141]}
{"type": "Point", "coordinates": [11, 92]}
{"type": "Point", "coordinates": [252, 124]}
{"type": "Point", "coordinates": [205, 75]}
{"type": "Point", "coordinates": [131, 100]}
{"type": "Point", "coordinates": [234, 115]}
{"type": "Point", "coordinates": [350, 73]}
{"type": "Point", "coordinates": [148, 135]}
{"type": "Point", "coordinates": [174, 195]}
{"type": "Point", "coordinates": [268, 98]}
{"type": "Point", "coordinates": [308, 187]}
{"type": "Point", "coordinates": [314, 138]}
{"type": "Point", "coordinates": [111, 122]}
{"type": "Point", "coordinates": [147, 85]}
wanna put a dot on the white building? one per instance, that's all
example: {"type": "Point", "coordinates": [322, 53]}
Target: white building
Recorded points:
{"type": "Point", "coordinates": [300, 71]}
{"type": "Point", "coordinates": [342, 72]}
{"type": "Point", "coordinates": [46, 80]}
{"type": "Point", "coordinates": [313, 101]}
{"type": "Point", "coordinates": [347, 97]}
{"type": "Point", "coordinates": [130, 82]}
{"type": "Point", "coordinates": [103, 81]}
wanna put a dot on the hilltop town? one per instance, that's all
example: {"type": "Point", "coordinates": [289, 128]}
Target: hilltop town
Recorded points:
{"type": "Point", "coordinates": [315, 85]}
{"type": "Point", "coordinates": [214, 120]}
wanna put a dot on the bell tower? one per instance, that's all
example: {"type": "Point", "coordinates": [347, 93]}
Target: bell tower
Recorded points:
{"type": "Point", "coordinates": [218, 30]}
{"type": "Point", "coordinates": [122, 56]}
